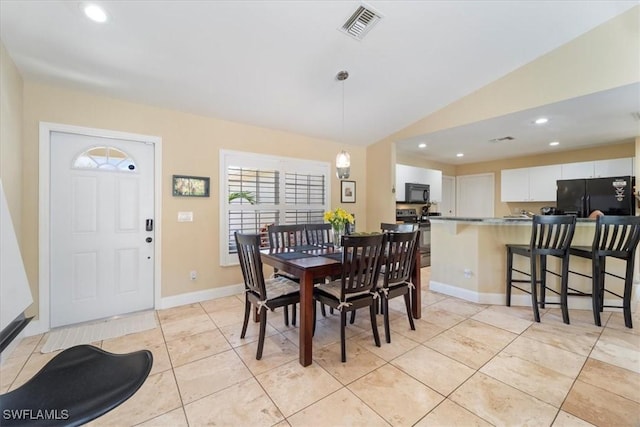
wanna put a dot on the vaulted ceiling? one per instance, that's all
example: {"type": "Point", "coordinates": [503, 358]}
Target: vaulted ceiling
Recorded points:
{"type": "Point", "coordinates": [274, 63]}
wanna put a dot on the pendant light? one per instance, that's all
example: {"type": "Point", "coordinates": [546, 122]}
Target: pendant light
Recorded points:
{"type": "Point", "coordinates": [343, 160]}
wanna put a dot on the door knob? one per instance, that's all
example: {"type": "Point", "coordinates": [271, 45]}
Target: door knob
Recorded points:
{"type": "Point", "coordinates": [149, 239]}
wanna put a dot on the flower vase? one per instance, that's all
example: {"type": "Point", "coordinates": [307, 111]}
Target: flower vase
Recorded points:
{"type": "Point", "coordinates": [338, 232]}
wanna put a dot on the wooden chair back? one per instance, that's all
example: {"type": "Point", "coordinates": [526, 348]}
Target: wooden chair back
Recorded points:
{"type": "Point", "coordinates": [552, 234]}
{"type": "Point", "coordinates": [400, 253]}
{"type": "Point", "coordinates": [248, 246]}
{"type": "Point", "coordinates": [361, 261]}
{"type": "Point", "coordinates": [286, 235]}
{"type": "Point", "coordinates": [403, 228]}
{"type": "Point", "coordinates": [318, 234]}
{"type": "Point", "coordinates": [616, 236]}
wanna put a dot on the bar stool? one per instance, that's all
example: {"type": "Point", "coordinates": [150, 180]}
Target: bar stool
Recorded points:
{"type": "Point", "coordinates": [615, 237]}
{"type": "Point", "coordinates": [551, 235]}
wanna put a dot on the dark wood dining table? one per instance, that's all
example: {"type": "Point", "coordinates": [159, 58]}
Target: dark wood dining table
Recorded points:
{"type": "Point", "coordinates": [309, 263]}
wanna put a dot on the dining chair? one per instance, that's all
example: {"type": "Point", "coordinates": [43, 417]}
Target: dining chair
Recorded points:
{"type": "Point", "coordinates": [614, 237]}
{"type": "Point", "coordinates": [403, 227]}
{"type": "Point", "coordinates": [78, 385]}
{"type": "Point", "coordinates": [318, 234]}
{"type": "Point", "coordinates": [551, 235]}
{"type": "Point", "coordinates": [264, 294]}
{"type": "Point", "coordinates": [361, 259]}
{"type": "Point", "coordinates": [395, 275]}
{"type": "Point", "coordinates": [286, 236]}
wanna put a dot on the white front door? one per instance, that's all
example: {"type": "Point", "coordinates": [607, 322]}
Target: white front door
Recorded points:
{"type": "Point", "coordinates": [101, 207]}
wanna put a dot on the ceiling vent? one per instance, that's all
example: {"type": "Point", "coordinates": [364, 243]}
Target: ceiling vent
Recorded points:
{"type": "Point", "coordinates": [361, 22]}
{"type": "Point", "coordinates": [503, 139]}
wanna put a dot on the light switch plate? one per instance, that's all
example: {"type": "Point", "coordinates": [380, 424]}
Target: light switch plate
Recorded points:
{"type": "Point", "coordinates": [185, 216]}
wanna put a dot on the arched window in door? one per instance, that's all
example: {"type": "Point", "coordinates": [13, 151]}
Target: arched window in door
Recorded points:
{"type": "Point", "coordinates": [105, 158]}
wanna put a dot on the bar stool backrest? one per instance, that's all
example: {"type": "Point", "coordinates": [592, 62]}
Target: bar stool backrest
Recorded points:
{"type": "Point", "coordinates": [552, 234]}
{"type": "Point", "coordinates": [616, 236]}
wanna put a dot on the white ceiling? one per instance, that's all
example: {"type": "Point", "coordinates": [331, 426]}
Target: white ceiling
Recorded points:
{"type": "Point", "coordinates": [273, 63]}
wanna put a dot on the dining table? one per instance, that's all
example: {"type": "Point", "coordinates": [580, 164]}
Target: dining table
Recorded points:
{"type": "Point", "coordinates": [310, 262]}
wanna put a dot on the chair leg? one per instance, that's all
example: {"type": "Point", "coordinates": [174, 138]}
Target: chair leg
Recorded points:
{"type": "Point", "coordinates": [603, 268]}
{"type": "Point", "coordinates": [343, 344]}
{"type": "Point", "coordinates": [534, 291]}
{"type": "Point", "coordinates": [263, 329]}
{"type": "Point", "coordinates": [293, 315]}
{"type": "Point", "coordinates": [374, 325]}
{"type": "Point", "coordinates": [385, 309]}
{"type": "Point", "coordinates": [407, 303]}
{"type": "Point", "coordinates": [247, 312]}
{"type": "Point", "coordinates": [313, 331]}
{"type": "Point", "coordinates": [595, 290]}
{"type": "Point", "coordinates": [509, 275]}
{"type": "Point", "coordinates": [286, 315]}
{"type": "Point", "coordinates": [323, 310]}
{"type": "Point", "coordinates": [353, 317]}
{"type": "Point", "coordinates": [564, 289]}
{"type": "Point", "coordinates": [543, 280]}
{"type": "Point", "coordinates": [626, 301]}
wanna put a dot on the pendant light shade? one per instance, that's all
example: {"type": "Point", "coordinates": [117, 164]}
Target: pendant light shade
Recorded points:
{"type": "Point", "coordinates": [343, 165]}
{"type": "Point", "coordinates": [343, 160]}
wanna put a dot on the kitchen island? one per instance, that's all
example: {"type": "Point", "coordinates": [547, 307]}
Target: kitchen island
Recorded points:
{"type": "Point", "coordinates": [468, 260]}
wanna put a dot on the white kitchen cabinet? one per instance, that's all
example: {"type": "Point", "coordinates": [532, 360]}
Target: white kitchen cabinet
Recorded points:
{"type": "Point", "coordinates": [598, 168]}
{"type": "Point", "coordinates": [613, 167]}
{"type": "Point", "coordinates": [417, 175]}
{"type": "Point", "coordinates": [514, 185]}
{"type": "Point", "coordinates": [542, 182]}
{"type": "Point", "coordinates": [577, 170]}
{"type": "Point", "coordinates": [536, 184]}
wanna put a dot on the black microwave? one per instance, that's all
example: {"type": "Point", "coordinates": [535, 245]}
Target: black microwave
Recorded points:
{"type": "Point", "coordinates": [416, 193]}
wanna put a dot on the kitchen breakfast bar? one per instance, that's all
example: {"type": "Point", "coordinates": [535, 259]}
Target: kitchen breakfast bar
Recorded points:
{"type": "Point", "coordinates": [468, 260]}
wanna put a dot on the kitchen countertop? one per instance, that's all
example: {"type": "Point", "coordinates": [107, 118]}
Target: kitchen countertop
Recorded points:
{"type": "Point", "coordinates": [493, 221]}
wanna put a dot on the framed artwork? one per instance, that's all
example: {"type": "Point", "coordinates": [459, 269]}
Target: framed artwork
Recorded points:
{"type": "Point", "coordinates": [190, 186]}
{"type": "Point", "coordinates": [347, 191]}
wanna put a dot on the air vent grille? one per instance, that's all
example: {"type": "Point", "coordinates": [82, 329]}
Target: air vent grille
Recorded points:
{"type": "Point", "coordinates": [503, 139]}
{"type": "Point", "coordinates": [361, 22]}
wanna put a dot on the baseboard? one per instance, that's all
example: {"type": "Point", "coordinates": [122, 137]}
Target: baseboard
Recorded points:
{"type": "Point", "coordinates": [517, 299]}
{"type": "Point", "coordinates": [199, 296]}
{"type": "Point", "coordinates": [36, 327]}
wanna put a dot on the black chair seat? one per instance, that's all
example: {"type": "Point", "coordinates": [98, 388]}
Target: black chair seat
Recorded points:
{"type": "Point", "coordinates": [75, 387]}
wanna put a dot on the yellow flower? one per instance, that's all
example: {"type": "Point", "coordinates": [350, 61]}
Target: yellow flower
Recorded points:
{"type": "Point", "coordinates": [338, 218]}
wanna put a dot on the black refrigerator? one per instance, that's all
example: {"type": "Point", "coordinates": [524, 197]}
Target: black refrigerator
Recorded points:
{"type": "Point", "coordinates": [612, 196]}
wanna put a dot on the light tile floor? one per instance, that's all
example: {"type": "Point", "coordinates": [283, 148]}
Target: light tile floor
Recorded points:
{"type": "Point", "coordinates": [466, 365]}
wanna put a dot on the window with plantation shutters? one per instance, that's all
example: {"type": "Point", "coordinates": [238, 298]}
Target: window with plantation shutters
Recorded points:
{"type": "Point", "coordinates": [258, 190]}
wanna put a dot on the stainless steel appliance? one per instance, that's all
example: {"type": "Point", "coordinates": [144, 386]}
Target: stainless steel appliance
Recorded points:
{"type": "Point", "coordinates": [416, 193]}
{"type": "Point", "coordinates": [611, 196]}
{"type": "Point", "coordinates": [410, 215]}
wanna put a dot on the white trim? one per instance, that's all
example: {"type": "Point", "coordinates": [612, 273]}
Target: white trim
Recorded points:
{"type": "Point", "coordinates": [517, 299]}
{"type": "Point", "coordinates": [199, 296]}
{"type": "Point", "coordinates": [44, 320]}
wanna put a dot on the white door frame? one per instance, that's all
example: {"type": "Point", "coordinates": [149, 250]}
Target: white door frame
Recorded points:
{"type": "Point", "coordinates": [44, 239]}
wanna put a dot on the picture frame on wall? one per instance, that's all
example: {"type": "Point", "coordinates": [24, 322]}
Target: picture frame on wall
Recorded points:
{"type": "Point", "coordinates": [347, 191]}
{"type": "Point", "coordinates": [190, 186]}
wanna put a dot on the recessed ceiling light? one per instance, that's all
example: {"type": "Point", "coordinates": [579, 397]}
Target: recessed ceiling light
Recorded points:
{"type": "Point", "coordinates": [541, 121]}
{"type": "Point", "coordinates": [422, 145]}
{"type": "Point", "coordinates": [94, 12]}
{"type": "Point", "coordinates": [554, 143]}
{"type": "Point", "coordinates": [460, 155]}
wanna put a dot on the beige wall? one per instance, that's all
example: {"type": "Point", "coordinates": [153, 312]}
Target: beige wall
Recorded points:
{"type": "Point", "coordinates": [190, 146]}
{"type": "Point", "coordinates": [11, 137]}
{"type": "Point", "coordinates": [601, 59]}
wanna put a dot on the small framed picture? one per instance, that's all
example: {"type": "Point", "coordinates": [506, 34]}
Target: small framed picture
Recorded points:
{"type": "Point", "coordinates": [347, 191]}
{"type": "Point", "coordinates": [190, 186]}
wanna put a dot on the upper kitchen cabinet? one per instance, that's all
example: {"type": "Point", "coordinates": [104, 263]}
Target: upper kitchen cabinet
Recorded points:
{"type": "Point", "coordinates": [536, 184]}
{"type": "Point", "coordinates": [598, 168]}
{"type": "Point", "coordinates": [417, 175]}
